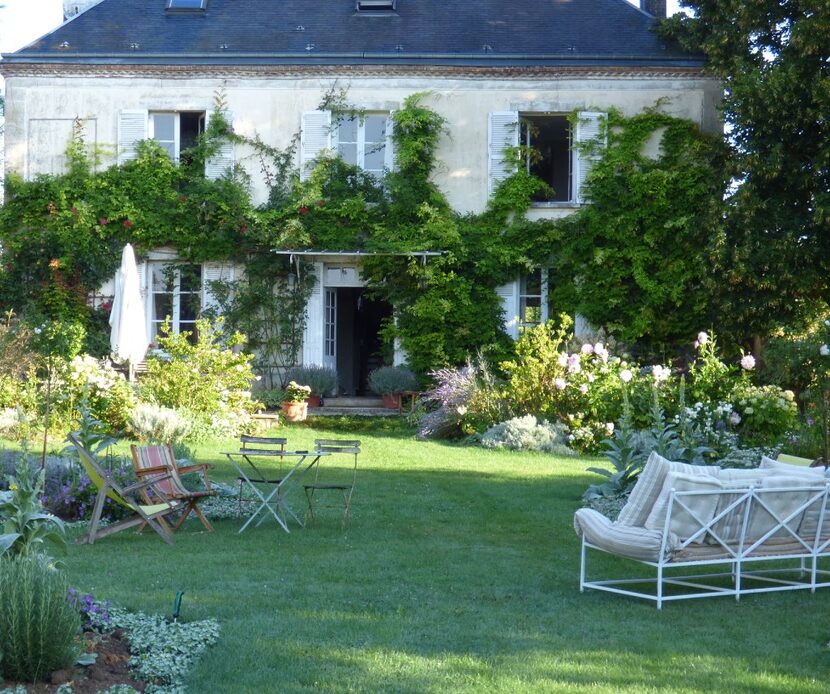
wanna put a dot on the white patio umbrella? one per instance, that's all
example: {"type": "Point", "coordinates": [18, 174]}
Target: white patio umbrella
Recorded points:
{"type": "Point", "coordinates": [128, 337]}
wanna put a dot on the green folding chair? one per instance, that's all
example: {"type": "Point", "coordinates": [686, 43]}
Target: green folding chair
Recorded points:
{"type": "Point", "coordinates": [344, 484]}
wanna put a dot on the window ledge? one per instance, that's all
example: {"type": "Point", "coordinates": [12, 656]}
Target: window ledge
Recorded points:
{"type": "Point", "coordinates": [565, 204]}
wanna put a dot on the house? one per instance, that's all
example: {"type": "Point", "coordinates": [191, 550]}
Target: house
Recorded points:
{"type": "Point", "coordinates": [499, 72]}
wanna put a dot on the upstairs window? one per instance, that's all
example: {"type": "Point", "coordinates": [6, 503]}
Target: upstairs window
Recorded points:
{"type": "Point", "coordinates": [361, 141]}
{"type": "Point", "coordinates": [176, 131]}
{"type": "Point", "coordinates": [547, 139]}
{"type": "Point", "coordinates": [554, 151]}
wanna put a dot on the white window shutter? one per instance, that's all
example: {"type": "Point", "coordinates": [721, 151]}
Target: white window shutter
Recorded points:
{"type": "Point", "coordinates": [509, 296]}
{"type": "Point", "coordinates": [132, 128]}
{"type": "Point", "coordinates": [389, 152]}
{"type": "Point", "coordinates": [315, 137]}
{"type": "Point", "coordinates": [214, 272]}
{"type": "Point", "coordinates": [313, 334]}
{"type": "Point", "coordinates": [588, 128]}
{"type": "Point", "coordinates": [219, 163]}
{"type": "Point", "coordinates": [502, 133]}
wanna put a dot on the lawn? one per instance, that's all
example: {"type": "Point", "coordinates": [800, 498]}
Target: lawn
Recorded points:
{"type": "Point", "coordinates": [458, 573]}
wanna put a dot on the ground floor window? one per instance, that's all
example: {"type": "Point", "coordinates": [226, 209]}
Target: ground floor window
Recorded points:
{"type": "Point", "coordinates": [176, 292]}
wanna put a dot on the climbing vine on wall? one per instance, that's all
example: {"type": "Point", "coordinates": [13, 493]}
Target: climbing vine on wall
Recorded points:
{"type": "Point", "coordinates": [632, 261]}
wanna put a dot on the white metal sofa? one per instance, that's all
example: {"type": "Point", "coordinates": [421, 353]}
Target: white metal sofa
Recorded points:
{"type": "Point", "coordinates": [708, 531]}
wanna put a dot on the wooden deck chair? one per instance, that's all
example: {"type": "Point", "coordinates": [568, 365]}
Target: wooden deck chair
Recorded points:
{"type": "Point", "coordinates": [146, 514]}
{"type": "Point", "coordinates": [259, 445]}
{"type": "Point", "coordinates": [326, 482]}
{"type": "Point", "coordinates": [157, 465]}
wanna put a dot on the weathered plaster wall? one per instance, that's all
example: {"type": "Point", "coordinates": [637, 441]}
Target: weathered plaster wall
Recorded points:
{"type": "Point", "coordinates": [39, 109]}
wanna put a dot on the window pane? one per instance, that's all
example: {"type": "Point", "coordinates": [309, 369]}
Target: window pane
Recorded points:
{"type": "Point", "coordinates": [191, 279]}
{"type": "Point", "coordinates": [164, 126]}
{"type": "Point", "coordinates": [163, 278]}
{"type": "Point", "coordinates": [348, 152]}
{"type": "Point", "coordinates": [532, 284]}
{"type": "Point", "coordinates": [163, 306]}
{"type": "Point", "coordinates": [189, 306]}
{"type": "Point", "coordinates": [374, 158]}
{"type": "Point", "coordinates": [375, 128]}
{"type": "Point", "coordinates": [347, 131]}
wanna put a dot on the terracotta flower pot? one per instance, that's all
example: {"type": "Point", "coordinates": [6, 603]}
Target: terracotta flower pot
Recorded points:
{"type": "Point", "coordinates": [295, 411]}
{"type": "Point", "coordinates": [392, 401]}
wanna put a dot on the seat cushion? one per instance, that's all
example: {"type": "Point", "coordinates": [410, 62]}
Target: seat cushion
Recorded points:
{"type": "Point", "coordinates": [624, 540]}
{"type": "Point", "coordinates": [650, 484]}
{"type": "Point", "coordinates": [790, 469]}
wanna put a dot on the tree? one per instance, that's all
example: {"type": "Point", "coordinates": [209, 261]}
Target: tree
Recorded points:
{"type": "Point", "coordinates": [774, 58]}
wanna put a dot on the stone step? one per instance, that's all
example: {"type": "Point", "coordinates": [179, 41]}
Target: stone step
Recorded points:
{"type": "Point", "coordinates": [353, 402]}
{"type": "Point", "coordinates": [328, 411]}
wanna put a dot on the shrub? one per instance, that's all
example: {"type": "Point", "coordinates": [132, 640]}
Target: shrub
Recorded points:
{"type": "Point", "coordinates": [208, 379]}
{"type": "Point", "coordinates": [527, 434]}
{"type": "Point", "coordinates": [767, 414]}
{"type": "Point", "coordinates": [321, 379]}
{"type": "Point", "coordinates": [269, 398]}
{"type": "Point", "coordinates": [388, 380]}
{"type": "Point", "coordinates": [158, 424]}
{"type": "Point", "coordinates": [38, 626]}
{"type": "Point", "coordinates": [27, 528]}
{"type": "Point", "coordinates": [464, 401]}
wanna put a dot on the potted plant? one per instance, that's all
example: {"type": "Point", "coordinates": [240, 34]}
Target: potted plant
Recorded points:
{"type": "Point", "coordinates": [295, 404]}
{"type": "Point", "coordinates": [321, 379]}
{"type": "Point", "coordinates": [390, 382]}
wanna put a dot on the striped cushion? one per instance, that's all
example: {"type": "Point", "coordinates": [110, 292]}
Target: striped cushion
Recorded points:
{"type": "Point", "coordinates": [650, 484]}
{"type": "Point", "coordinates": [147, 457]}
{"type": "Point", "coordinates": [625, 540]}
{"type": "Point", "coordinates": [701, 507]}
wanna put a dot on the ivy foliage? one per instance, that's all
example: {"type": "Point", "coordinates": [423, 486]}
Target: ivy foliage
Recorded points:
{"type": "Point", "coordinates": [62, 235]}
{"type": "Point", "coordinates": [637, 260]}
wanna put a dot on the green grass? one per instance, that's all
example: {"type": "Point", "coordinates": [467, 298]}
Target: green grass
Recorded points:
{"type": "Point", "coordinates": [459, 573]}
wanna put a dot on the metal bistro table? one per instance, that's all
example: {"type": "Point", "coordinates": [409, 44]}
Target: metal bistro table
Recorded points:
{"type": "Point", "coordinates": [275, 502]}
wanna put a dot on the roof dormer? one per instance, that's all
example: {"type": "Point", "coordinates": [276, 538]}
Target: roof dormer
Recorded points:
{"type": "Point", "coordinates": [375, 7]}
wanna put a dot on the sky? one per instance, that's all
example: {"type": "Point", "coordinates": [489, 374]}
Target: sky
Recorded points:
{"type": "Point", "coordinates": [22, 21]}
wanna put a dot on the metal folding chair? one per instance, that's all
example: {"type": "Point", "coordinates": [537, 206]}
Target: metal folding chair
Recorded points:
{"type": "Point", "coordinates": [327, 481]}
{"type": "Point", "coordinates": [253, 445]}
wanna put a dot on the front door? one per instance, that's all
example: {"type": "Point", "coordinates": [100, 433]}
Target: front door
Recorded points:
{"type": "Point", "coordinates": [359, 345]}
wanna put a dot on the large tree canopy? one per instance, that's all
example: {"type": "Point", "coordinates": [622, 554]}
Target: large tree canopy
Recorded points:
{"type": "Point", "coordinates": [774, 58]}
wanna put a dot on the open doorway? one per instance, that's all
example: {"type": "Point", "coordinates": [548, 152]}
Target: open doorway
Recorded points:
{"type": "Point", "coordinates": [359, 348]}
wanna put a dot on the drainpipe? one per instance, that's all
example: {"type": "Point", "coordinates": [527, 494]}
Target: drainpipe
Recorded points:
{"type": "Point", "coordinates": [656, 8]}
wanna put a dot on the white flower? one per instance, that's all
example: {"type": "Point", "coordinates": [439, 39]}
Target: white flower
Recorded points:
{"type": "Point", "coordinates": [563, 359]}
{"type": "Point", "coordinates": [587, 349]}
{"type": "Point", "coordinates": [702, 339]}
{"type": "Point", "coordinates": [36, 331]}
{"type": "Point", "coordinates": [600, 351]}
{"type": "Point", "coordinates": [560, 384]}
{"type": "Point", "coordinates": [591, 378]}
{"type": "Point", "coordinates": [748, 362]}
{"type": "Point", "coordinates": [461, 409]}
{"type": "Point", "coordinates": [609, 428]}
{"type": "Point", "coordinates": [827, 322]}
{"type": "Point", "coordinates": [734, 419]}
{"type": "Point", "coordinates": [824, 351]}
{"type": "Point", "coordinates": [748, 410]}
{"type": "Point", "coordinates": [625, 375]}
{"type": "Point", "coordinates": [583, 388]}
{"type": "Point", "coordinates": [574, 364]}
{"type": "Point", "coordinates": [789, 395]}
{"type": "Point", "coordinates": [660, 373]}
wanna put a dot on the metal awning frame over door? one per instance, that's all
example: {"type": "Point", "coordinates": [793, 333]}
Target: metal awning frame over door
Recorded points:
{"type": "Point", "coordinates": [316, 340]}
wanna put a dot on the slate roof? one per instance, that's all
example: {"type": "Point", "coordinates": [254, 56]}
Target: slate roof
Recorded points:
{"type": "Point", "coordinates": [432, 32]}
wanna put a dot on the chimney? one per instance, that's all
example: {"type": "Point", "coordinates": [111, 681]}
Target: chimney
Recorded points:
{"type": "Point", "coordinates": [656, 8]}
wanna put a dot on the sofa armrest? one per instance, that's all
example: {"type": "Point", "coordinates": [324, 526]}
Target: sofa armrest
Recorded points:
{"type": "Point", "coordinates": [625, 540]}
